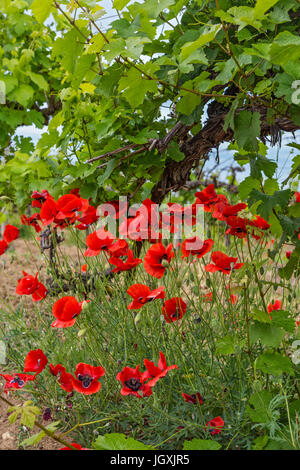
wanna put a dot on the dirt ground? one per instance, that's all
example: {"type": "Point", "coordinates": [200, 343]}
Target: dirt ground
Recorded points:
{"type": "Point", "coordinates": [21, 255]}
{"type": "Point", "coordinates": [9, 433]}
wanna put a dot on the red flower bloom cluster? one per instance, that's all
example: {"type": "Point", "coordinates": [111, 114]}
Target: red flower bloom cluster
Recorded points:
{"type": "Point", "coordinates": [10, 234]}
{"type": "Point", "coordinates": [157, 259]}
{"type": "Point", "coordinates": [30, 285]}
{"type": "Point", "coordinates": [98, 241]}
{"type": "Point", "coordinates": [65, 379]}
{"type": "Point", "coordinates": [222, 262]}
{"type": "Point", "coordinates": [194, 398]}
{"type": "Point", "coordinates": [142, 294]}
{"type": "Point", "coordinates": [66, 310]}
{"type": "Point", "coordinates": [125, 263]}
{"type": "Point", "coordinates": [195, 247]}
{"type": "Point", "coordinates": [32, 221]}
{"type": "Point", "coordinates": [274, 306]}
{"type": "Point", "coordinates": [140, 384]}
{"type": "Point", "coordinates": [86, 378]}
{"type": "Point", "coordinates": [134, 382]}
{"type": "Point", "coordinates": [157, 372]}
{"type": "Point", "coordinates": [214, 426]}
{"type": "Point", "coordinates": [35, 361]}
{"type": "Point", "coordinates": [39, 197]}
{"type": "Point", "coordinates": [208, 198]}
{"type": "Point", "coordinates": [222, 210]}
{"type": "Point", "coordinates": [67, 210]}
{"type": "Point", "coordinates": [174, 309]}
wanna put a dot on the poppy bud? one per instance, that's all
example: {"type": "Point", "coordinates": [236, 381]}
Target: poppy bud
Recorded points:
{"type": "Point", "coordinates": [84, 305]}
{"type": "Point", "coordinates": [137, 318]}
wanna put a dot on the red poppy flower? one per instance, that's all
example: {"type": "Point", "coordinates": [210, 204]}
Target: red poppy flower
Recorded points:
{"type": "Point", "coordinates": [35, 361]}
{"type": "Point", "coordinates": [118, 248]}
{"type": "Point", "coordinates": [288, 254]}
{"type": "Point", "coordinates": [48, 211]}
{"type": "Point", "coordinates": [142, 294]}
{"type": "Point", "coordinates": [30, 285]}
{"type": "Point", "coordinates": [260, 224]}
{"type": "Point", "coordinates": [56, 370]}
{"type": "Point", "coordinates": [87, 378]}
{"type": "Point", "coordinates": [65, 379]}
{"type": "Point", "coordinates": [98, 241]}
{"type": "Point", "coordinates": [3, 247]}
{"type": "Point", "coordinates": [194, 398]}
{"type": "Point", "coordinates": [66, 310]}
{"type": "Point", "coordinates": [88, 217]}
{"type": "Point", "coordinates": [157, 259]}
{"type": "Point", "coordinates": [194, 246]}
{"type": "Point", "coordinates": [39, 197]}
{"type": "Point", "coordinates": [134, 382]}
{"type": "Point", "coordinates": [223, 209]}
{"type": "Point", "coordinates": [40, 293]}
{"type": "Point", "coordinates": [157, 372]}
{"type": "Point", "coordinates": [225, 264]}
{"type": "Point", "coordinates": [84, 268]}
{"type": "Point", "coordinates": [275, 306]}
{"type": "Point", "coordinates": [129, 262]}
{"type": "Point", "coordinates": [174, 309]}
{"type": "Point", "coordinates": [27, 284]}
{"type": "Point", "coordinates": [74, 444]}
{"type": "Point", "coordinates": [238, 226]}
{"type": "Point", "coordinates": [11, 233]}
{"type": "Point", "coordinates": [68, 204]}
{"type": "Point", "coordinates": [207, 197]}
{"type": "Point", "coordinates": [214, 426]}
{"type": "Point", "coordinates": [32, 221]}
{"type": "Point", "coordinates": [16, 381]}
{"type": "Point", "coordinates": [297, 196]}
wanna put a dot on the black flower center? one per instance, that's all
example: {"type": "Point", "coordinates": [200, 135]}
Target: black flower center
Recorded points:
{"type": "Point", "coordinates": [133, 384]}
{"type": "Point", "coordinates": [177, 313]}
{"type": "Point", "coordinates": [86, 380]}
{"type": "Point", "coordinates": [164, 257]}
{"type": "Point", "coordinates": [18, 380]}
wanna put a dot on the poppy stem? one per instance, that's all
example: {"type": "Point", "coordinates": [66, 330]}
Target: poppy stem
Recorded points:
{"type": "Point", "coordinates": [247, 326]}
{"type": "Point", "coordinates": [256, 275]}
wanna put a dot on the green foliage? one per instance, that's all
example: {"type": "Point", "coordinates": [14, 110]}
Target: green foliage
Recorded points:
{"type": "Point", "coordinates": [36, 438]}
{"type": "Point", "coordinates": [26, 412]}
{"type": "Point", "coordinates": [104, 90]}
{"type": "Point", "coordinates": [117, 441]}
{"type": "Point", "coordinates": [201, 444]}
